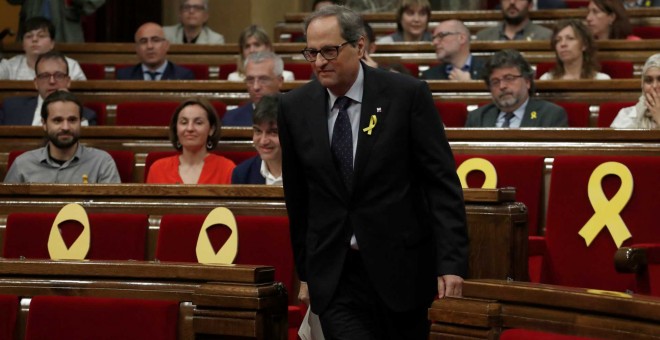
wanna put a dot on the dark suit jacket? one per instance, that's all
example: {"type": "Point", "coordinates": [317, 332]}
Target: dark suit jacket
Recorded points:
{"type": "Point", "coordinates": [547, 115]}
{"type": "Point", "coordinates": [240, 116]}
{"type": "Point", "coordinates": [172, 72]}
{"type": "Point", "coordinates": [20, 111]}
{"type": "Point", "coordinates": [248, 172]}
{"type": "Point", "coordinates": [405, 208]}
{"type": "Point", "coordinates": [438, 72]}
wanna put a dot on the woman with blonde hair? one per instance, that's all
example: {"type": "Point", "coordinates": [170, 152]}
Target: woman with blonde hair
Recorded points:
{"type": "Point", "coordinates": [412, 22]}
{"type": "Point", "coordinates": [646, 113]}
{"type": "Point", "coordinates": [253, 39]}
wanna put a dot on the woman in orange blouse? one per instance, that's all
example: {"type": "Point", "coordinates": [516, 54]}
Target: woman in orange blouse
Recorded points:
{"type": "Point", "coordinates": [194, 132]}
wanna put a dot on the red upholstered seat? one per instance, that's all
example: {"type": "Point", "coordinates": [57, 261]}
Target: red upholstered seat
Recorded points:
{"type": "Point", "coordinates": [101, 111]}
{"type": "Point", "coordinates": [525, 173]}
{"type": "Point", "coordinates": [616, 69]}
{"type": "Point", "coordinates": [225, 70]}
{"type": "Point", "coordinates": [566, 258]}
{"type": "Point", "coordinates": [145, 113]}
{"type": "Point", "coordinates": [93, 71]}
{"type": "Point", "coordinates": [647, 32]}
{"type": "Point", "coordinates": [301, 71]}
{"type": "Point", "coordinates": [75, 317]}
{"type": "Point", "coordinates": [523, 334]}
{"type": "Point", "coordinates": [201, 71]}
{"type": "Point", "coordinates": [113, 236]}
{"type": "Point", "coordinates": [578, 113]}
{"type": "Point", "coordinates": [608, 112]}
{"type": "Point", "coordinates": [262, 240]}
{"type": "Point", "coordinates": [236, 156]}
{"type": "Point", "coordinates": [452, 114]}
{"type": "Point", "coordinates": [8, 316]}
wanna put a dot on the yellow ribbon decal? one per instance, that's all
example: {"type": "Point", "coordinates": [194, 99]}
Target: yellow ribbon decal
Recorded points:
{"type": "Point", "coordinates": [57, 249]}
{"type": "Point", "coordinates": [606, 213]}
{"type": "Point", "coordinates": [372, 124]}
{"type": "Point", "coordinates": [609, 293]}
{"type": "Point", "coordinates": [482, 165]}
{"type": "Point", "coordinates": [533, 114]}
{"type": "Point", "coordinates": [226, 254]}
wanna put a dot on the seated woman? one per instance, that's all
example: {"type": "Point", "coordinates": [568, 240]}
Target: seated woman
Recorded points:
{"type": "Point", "coordinates": [412, 22]}
{"type": "Point", "coordinates": [575, 51]}
{"type": "Point", "coordinates": [194, 132]}
{"type": "Point", "coordinates": [607, 19]}
{"type": "Point", "coordinates": [253, 39]}
{"type": "Point", "coordinates": [265, 168]}
{"type": "Point", "coordinates": [646, 113]}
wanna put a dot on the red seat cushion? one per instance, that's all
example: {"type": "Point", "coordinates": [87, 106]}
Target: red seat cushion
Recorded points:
{"type": "Point", "coordinates": [614, 68]}
{"type": "Point", "coordinates": [145, 113]}
{"type": "Point", "coordinates": [301, 71]}
{"type": "Point", "coordinates": [647, 32]}
{"type": "Point", "coordinates": [578, 113]}
{"type": "Point", "coordinates": [452, 114]}
{"type": "Point", "coordinates": [93, 71]}
{"type": "Point", "coordinates": [524, 334]}
{"type": "Point", "coordinates": [608, 111]}
{"type": "Point", "coordinates": [101, 112]}
{"type": "Point", "coordinates": [8, 315]}
{"type": "Point", "coordinates": [74, 317]}
{"type": "Point", "coordinates": [201, 71]}
{"type": "Point", "coordinates": [225, 70]}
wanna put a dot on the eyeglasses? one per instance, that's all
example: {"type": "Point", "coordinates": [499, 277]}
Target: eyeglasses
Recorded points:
{"type": "Point", "coordinates": [58, 76]}
{"type": "Point", "coordinates": [328, 52]}
{"type": "Point", "coordinates": [442, 35]}
{"type": "Point", "coordinates": [507, 80]}
{"type": "Point", "coordinates": [192, 8]}
{"type": "Point", "coordinates": [153, 40]}
{"type": "Point", "coordinates": [263, 80]}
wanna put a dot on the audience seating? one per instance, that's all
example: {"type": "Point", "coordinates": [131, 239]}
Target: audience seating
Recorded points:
{"type": "Point", "coordinates": [8, 315]}
{"type": "Point", "coordinates": [525, 173]}
{"type": "Point", "coordinates": [301, 71]}
{"type": "Point", "coordinates": [101, 111]}
{"type": "Point", "coordinates": [616, 69]}
{"type": "Point", "coordinates": [113, 236]}
{"type": "Point", "coordinates": [200, 71]}
{"type": "Point", "coordinates": [608, 112]}
{"type": "Point", "coordinates": [93, 71]}
{"type": "Point", "coordinates": [75, 317]}
{"type": "Point", "coordinates": [236, 156]}
{"type": "Point", "coordinates": [565, 258]}
{"type": "Point", "coordinates": [154, 113]}
{"type": "Point", "coordinates": [578, 113]}
{"type": "Point", "coordinates": [225, 70]}
{"type": "Point", "coordinates": [261, 240]}
{"type": "Point", "coordinates": [453, 114]}
{"type": "Point", "coordinates": [647, 32]}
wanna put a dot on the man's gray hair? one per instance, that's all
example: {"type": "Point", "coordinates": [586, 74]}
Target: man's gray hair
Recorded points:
{"type": "Point", "coordinates": [258, 57]}
{"type": "Point", "coordinates": [350, 22]}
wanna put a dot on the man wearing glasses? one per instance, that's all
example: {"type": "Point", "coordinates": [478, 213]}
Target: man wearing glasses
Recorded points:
{"type": "Point", "coordinates": [52, 74]}
{"type": "Point", "coordinates": [452, 47]}
{"type": "Point", "coordinates": [151, 48]}
{"type": "Point", "coordinates": [263, 76]}
{"type": "Point", "coordinates": [377, 219]}
{"type": "Point", "coordinates": [511, 82]}
{"type": "Point", "coordinates": [192, 29]}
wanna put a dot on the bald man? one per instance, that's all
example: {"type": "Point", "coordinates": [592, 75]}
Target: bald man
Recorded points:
{"type": "Point", "coordinates": [151, 48]}
{"type": "Point", "coordinates": [452, 47]}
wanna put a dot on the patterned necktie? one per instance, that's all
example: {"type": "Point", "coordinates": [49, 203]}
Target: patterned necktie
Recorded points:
{"type": "Point", "coordinates": [152, 75]}
{"type": "Point", "coordinates": [507, 119]}
{"type": "Point", "coordinates": [342, 141]}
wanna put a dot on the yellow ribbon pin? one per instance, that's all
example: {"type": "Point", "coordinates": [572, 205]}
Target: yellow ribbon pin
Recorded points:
{"type": "Point", "coordinates": [372, 124]}
{"type": "Point", "coordinates": [533, 114]}
{"type": "Point", "coordinates": [479, 164]}
{"type": "Point", "coordinates": [609, 293]}
{"type": "Point", "coordinates": [607, 212]}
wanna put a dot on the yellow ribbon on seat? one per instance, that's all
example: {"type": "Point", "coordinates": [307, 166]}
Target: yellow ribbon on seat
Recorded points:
{"type": "Point", "coordinates": [228, 252]}
{"type": "Point", "coordinates": [609, 293]}
{"type": "Point", "coordinates": [606, 212]}
{"type": "Point", "coordinates": [372, 124]}
{"type": "Point", "coordinates": [479, 164]}
{"type": "Point", "coordinates": [57, 249]}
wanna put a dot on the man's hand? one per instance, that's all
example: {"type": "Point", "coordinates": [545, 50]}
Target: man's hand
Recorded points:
{"type": "Point", "coordinates": [459, 75]}
{"type": "Point", "coordinates": [448, 285]}
{"type": "Point", "coordinates": [303, 293]}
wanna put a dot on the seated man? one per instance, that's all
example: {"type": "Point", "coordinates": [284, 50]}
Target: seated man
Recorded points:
{"type": "Point", "coordinates": [39, 38]}
{"type": "Point", "coordinates": [63, 159]}
{"type": "Point", "coordinates": [265, 168]}
{"type": "Point", "coordinates": [516, 25]}
{"type": "Point", "coordinates": [452, 47]}
{"type": "Point", "coordinates": [263, 76]}
{"type": "Point", "coordinates": [192, 29]}
{"type": "Point", "coordinates": [511, 82]}
{"type": "Point", "coordinates": [151, 48]}
{"type": "Point", "coordinates": [52, 75]}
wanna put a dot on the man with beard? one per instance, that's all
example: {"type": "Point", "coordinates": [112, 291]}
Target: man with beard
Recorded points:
{"type": "Point", "coordinates": [516, 25]}
{"type": "Point", "coordinates": [511, 82]}
{"type": "Point", "coordinates": [452, 47]}
{"type": "Point", "coordinates": [63, 159]}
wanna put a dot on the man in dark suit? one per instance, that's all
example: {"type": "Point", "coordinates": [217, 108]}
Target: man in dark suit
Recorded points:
{"type": "Point", "coordinates": [52, 74]}
{"type": "Point", "coordinates": [376, 238]}
{"type": "Point", "coordinates": [151, 48]}
{"type": "Point", "coordinates": [263, 76]}
{"type": "Point", "coordinates": [452, 47]}
{"type": "Point", "coordinates": [510, 79]}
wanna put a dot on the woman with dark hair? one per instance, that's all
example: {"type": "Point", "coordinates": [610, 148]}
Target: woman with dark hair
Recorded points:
{"type": "Point", "coordinates": [253, 39]}
{"type": "Point", "coordinates": [412, 22]}
{"type": "Point", "coordinates": [607, 19]}
{"type": "Point", "coordinates": [575, 51]}
{"type": "Point", "coordinates": [194, 132]}
{"type": "Point", "coordinates": [646, 113]}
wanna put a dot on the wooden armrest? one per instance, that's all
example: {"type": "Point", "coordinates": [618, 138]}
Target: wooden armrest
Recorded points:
{"type": "Point", "coordinates": [636, 258]}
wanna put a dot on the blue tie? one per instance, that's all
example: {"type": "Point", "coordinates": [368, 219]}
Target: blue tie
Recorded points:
{"type": "Point", "coordinates": [45, 9]}
{"type": "Point", "coordinates": [342, 142]}
{"type": "Point", "coordinates": [152, 75]}
{"type": "Point", "coordinates": [507, 119]}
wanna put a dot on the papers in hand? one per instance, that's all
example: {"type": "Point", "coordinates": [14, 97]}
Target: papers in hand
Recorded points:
{"type": "Point", "coordinates": [310, 329]}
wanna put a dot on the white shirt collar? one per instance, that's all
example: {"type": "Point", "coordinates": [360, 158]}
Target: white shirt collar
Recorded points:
{"type": "Point", "coordinates": [355, 92]}
{"type": "Point", "coordinates": [270, 179]}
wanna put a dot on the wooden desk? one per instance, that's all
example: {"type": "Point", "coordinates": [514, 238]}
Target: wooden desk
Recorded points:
{"type": "Point", "coordinates": [216, 300]}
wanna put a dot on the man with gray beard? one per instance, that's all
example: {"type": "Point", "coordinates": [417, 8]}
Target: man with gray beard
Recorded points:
{"type": "Point", "coordinates": [516, 25]}
{"type": "Point", "coordinates": [510, 80]}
